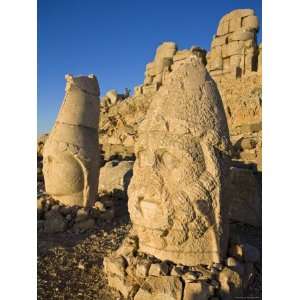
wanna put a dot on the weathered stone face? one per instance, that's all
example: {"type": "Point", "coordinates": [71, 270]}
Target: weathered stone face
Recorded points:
{"type": "Point", "coordinates": [176, 194]}
{"type": "Point", "coordinates": [72, 150]}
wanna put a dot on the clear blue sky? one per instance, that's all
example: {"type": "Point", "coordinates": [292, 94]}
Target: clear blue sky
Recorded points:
{"type": "Point", "coordinates": [114, 39]}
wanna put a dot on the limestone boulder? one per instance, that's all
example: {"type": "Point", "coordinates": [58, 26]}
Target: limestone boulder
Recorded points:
{"type": "Point", "coordinates": [115, 176]}
{"type": "Point", "coordinates": [160, 288]}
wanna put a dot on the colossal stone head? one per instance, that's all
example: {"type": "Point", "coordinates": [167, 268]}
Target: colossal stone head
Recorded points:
{"type": "Point", "coordinates": [176, 195]}
{"type": "Point", "coordinates": [71, 152]}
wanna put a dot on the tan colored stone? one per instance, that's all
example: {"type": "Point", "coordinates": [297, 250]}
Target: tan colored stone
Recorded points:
{"type": "Point", "coordinates": [142, 268]}
{"type": "Point", "coordinates": [231, 284]}
{"type": "Point", "coordinates": [250, 22]}
{"type": "Point", "coordinates": [181, 55]}
{"type": "Point", "coordinates": [115, 175]}
{"type": "Point", "coordinates": [196, 291]}
{"type": "Point", "coordinates": [71, 153]}
{"type": "Point", "coordinates": [241, 35]}
{"type": "Point", "coordinates": [176, 166]}
{"type": "Point", "coordinates": [121, 284]}
{"type": "Point", "coordinates": [159, 269]}
{"type": "Point", "coordinates": [235, 24]}
{"type": "Point", "coordinates": [219, 41]}
{"type": "Point", "coordinates": [150, 89]}
{"type": "Point", "coordinates": [113, 96]}
{"type": "Point", "coordinates": [115, 265]}
{"type": "Point", "coordinates": [233, 48]}
{"type": "Point", "coordinates": [138, 90]}
{"type": "Point", "coordinates": [223, 28]}
{"type": "Point", "coordinates": [215, 61]}
{"type": "Point", "coordinates": [165, 50]}
{"type": "Point", "coordinates": [160, 288]}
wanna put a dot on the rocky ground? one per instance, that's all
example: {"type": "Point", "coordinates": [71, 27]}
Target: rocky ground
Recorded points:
{"type": "Point", "coordinates": [70, 264]}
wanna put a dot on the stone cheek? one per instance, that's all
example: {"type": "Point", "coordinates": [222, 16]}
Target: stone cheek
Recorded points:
{"type": "Point", "coordinates": [170, 209]}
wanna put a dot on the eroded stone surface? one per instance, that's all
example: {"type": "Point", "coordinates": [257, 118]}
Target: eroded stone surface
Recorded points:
{"type": "Point", "coordinates": [71, 153]}
{"type": "Point", "coordinates": [234, 49]}
{"type": "Point", "coordinates": [160, 288]}
{"type": "Point", "coordinates": [176, 199]}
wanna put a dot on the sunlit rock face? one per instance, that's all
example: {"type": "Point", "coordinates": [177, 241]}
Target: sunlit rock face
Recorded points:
{"type": "Point", "coordinates": [176, 195]}
{"type": "Point", "coordinates": [71, 153]}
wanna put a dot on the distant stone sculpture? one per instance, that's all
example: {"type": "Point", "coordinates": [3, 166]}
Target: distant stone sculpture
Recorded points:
{"type": "Point", "coordinates": [156, 71]}
{"type": "Point", "coordinates": [176, 194]}
{"type": "Point", "coordinates": [71, 153]}
{"type": "Point", "coordinates": [234, 49]}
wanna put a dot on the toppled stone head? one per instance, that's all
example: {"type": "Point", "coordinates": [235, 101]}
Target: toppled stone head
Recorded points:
{"type": "Point", "coordinates": [176, 195]}
{"type": "Point", "coordinates": [71, 152]}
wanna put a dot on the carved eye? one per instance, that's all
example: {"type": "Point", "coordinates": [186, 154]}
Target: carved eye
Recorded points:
{"type": "Point", "coordinates": [146, 158]}
{"type": "Point", "coordinates": [169, 160]}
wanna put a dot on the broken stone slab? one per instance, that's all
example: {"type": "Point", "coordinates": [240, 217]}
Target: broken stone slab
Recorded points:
{"type": "Point", "coordinates": [196, 290]}
{"type": "Point", "coordinates": [231, 284]}
{"type": "Point", "coordinates": [124, 286]}
{"type": "Point", "coordinates": [251, 23]}
{"type": "Point", "coordinates": [160, 288]}
{"type": "Point", "coordinates": [235, 24]}
{"type": "Point", "coordinates": [241, 35]}
{"type": "Point", "coordinates": [159, 269]}
{"type": "Point", "coordinates": [115, 265]}
{"type": "Point", "coordinates": [232, 48]}
{"type": "Point", "coordinates": [165, 50]}
{"type": "Point", "coordinates": [219, 41]}
{"type": "Point", "coordinates": [115, 175]}
{"type": "Point", "coordinates": [142, 268]}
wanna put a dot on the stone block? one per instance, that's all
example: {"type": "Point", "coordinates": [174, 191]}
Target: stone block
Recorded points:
{"type": "Point", "coordinates": [115, 265]}
{"type": "Point", "coordinates": [150, 89]}
{"type": "Point", "coordinates": [196, 291]}
{"type": "Point", "coordinates": [165, 50]}
{"type": "Point", "coordinates": [159, 269]}
{"type": "Point", "coordinates": [160, 288]}
{"type": "Point", "coordinates": [235, 24]}
{"type": "Point", "coordinates": [142, 268]}
{"type": "Point", "coordinates": [233, 48]}
{"type": "Point", "coordinates": [215, 61]}
{"type": "Point", "coordinates": [223, 28]}
{"type": "Point", "coordinates": [181, 54]}
{"type": "Point", "coordinates": [138, 90]}
{"type": "Point", "coordinates": [122, 285]}
{"type": "Point", "coordinates": [241, 35]}
{"type": "Point", "coordinates": [235, 60]}
{"type": "Point", "coordinates": [148, 79]}
{"type": "Point", "coordinates": [250, 22]}
{"type": "Point", "coordinates": [231, 284]}
{"type": "Point", "coordinates": [115, 175]}
{"type": "Point", "coordinates": [219, 41]}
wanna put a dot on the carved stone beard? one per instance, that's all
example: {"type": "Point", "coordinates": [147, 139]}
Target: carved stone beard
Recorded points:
{"type": "Point", "coordinates": [164, 217]}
